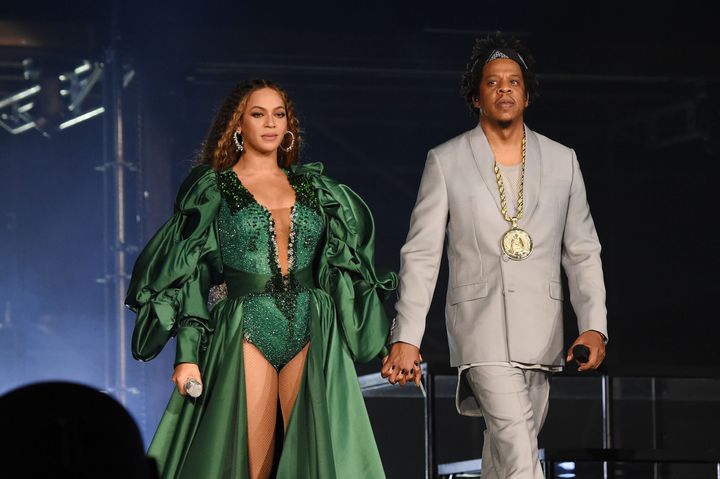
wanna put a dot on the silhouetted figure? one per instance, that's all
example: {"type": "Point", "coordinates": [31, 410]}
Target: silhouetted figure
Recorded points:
{"type": "Point", "coordinates": [63, 429]}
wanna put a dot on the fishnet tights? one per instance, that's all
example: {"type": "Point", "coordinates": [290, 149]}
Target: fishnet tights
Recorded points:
{"type": "Point", "coordinates": [264, 386]}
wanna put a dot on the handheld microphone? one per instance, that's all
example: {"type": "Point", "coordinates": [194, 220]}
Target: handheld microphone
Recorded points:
{"type": "Point", "coordinates": [581, 353]}
{"type": "Point", "coordinates": [193, 388]}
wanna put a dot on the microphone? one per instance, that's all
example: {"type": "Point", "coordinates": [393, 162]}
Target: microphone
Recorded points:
{"type": "Point", "coordinates": [581, 353]}
{"type": "Point", "coordinates": [193, 388]}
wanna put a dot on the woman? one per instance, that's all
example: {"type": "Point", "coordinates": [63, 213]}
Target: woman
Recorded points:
{"type": "Point", "coordinates": [294, 251]}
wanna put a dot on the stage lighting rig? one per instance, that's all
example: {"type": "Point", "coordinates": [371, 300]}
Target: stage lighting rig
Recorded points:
{"type": "Point", "coordinates": [55, 101]}
{"type": "Point", "coordinates": [77, 84]}
{"type": "Point", "coordinates": [15, 116]}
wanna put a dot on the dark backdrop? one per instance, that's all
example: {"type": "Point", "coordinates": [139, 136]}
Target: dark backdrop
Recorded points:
{"type": "Point", "coordinates": [632, 88]}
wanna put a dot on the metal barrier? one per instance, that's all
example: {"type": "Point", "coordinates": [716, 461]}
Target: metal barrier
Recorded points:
{"type": "Point", "coordinates": [375, 385]}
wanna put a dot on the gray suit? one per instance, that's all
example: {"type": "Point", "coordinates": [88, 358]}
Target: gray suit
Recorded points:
{"type": "Point", "coordinates": [497, 309]}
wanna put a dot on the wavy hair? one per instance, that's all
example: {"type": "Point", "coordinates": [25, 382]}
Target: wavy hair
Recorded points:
{"type": "Point", "coordinates": [218, 149]}
{"type": "Point", "coordinates": [470, 83]}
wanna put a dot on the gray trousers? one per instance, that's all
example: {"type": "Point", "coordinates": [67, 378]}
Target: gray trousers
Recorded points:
{"type": "Point", "coordinates": [514, 403]}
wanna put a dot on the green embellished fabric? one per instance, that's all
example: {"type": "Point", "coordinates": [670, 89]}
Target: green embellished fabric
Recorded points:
{"type": "Point", "coordinates": [276, 317]}
{"type": "Point", "coordinates": [332, 283]}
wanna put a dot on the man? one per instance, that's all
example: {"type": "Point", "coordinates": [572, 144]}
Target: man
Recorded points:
{"type": "Point", "coordinates": [513, 206]}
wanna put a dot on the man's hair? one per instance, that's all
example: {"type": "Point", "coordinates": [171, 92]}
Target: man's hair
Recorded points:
{"type": "Point", "coordinates": [484, 47]}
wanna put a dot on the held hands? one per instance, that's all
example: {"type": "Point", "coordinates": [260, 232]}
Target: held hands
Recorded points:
{"type": "Point", "coordinates": [595, 343]}
{"type": "Point", "coordinates": [402, 364]}
{"type": "Point", "coordinates": [183, 371]}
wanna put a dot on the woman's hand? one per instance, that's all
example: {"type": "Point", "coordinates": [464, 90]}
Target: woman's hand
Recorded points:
{"type": "Point", "coordinates": [402, 364]}
{"type": "Point", "coordinates": [183, 372]}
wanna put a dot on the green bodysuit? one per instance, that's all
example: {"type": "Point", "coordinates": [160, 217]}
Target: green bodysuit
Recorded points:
{"type": "Point", "coordinates": [332, 298]}
{"type": "Point", "coordinates": [276, 318]}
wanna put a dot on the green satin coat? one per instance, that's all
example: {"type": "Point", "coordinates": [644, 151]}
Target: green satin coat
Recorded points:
{"type": "Point", "coordinates": [329, 433]}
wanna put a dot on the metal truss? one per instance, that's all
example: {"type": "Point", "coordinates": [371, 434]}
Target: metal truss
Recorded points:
{"type": "Point", "coordinates": [23, 111]}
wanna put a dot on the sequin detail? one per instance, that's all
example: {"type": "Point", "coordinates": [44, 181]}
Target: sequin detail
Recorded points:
{"type": "Point", "coordinates": [307, 230]}
{"type": "Point", "coordinates": [269, 331]}
{"type": "Point", "coordinates": [217, 293]}
{"type": "Point", "coordinates": [243, 237]}
{"type": "Point", "coordinates": [304, 192]}
{"type": "Point", "coordinates": [276, 319]}
{"type": "Point", "coordinates": [236, 196]}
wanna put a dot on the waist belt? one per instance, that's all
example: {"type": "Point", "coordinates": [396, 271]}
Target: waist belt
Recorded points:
{"type": "Point", "coordinates": [242, 283]}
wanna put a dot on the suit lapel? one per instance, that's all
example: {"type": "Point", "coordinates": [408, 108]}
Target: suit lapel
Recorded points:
{"type": "Point", "coordinates": [485, 161]}
{"type": "Point", "coordinates": [533, 174]}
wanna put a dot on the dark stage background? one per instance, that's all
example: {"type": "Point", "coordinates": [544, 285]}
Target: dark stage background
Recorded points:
{"type": "Point", "coordinates": [632, 88]}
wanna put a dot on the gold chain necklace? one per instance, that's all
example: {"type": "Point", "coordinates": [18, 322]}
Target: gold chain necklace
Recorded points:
{"type": "Point", "coordinates": [516, 243]}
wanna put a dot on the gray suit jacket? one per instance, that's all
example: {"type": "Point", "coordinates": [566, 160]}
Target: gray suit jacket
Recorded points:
{"type": "Point", "coordinates": [498, 309]}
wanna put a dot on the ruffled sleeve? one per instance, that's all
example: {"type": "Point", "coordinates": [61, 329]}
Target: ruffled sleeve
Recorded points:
{"type": "Point", "coordinates": [346, 267]}
{"type": "Point", "coordinates": [170, 280]}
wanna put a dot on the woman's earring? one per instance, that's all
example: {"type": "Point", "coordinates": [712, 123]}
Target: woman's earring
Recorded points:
{"type": "Point", "coordinates": [238, 140]}
{"type": "Point", "coordinates": [292, 142]}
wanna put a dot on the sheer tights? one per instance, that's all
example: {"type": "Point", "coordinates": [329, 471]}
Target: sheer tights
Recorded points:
{"type": "Point", "coordinates": [264, 386]}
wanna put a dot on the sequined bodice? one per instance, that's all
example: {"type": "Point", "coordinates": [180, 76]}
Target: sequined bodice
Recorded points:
{"type": "Point", "coordinates": [276, 317]}
{"type": "Point", "coordinates": [247, 229]}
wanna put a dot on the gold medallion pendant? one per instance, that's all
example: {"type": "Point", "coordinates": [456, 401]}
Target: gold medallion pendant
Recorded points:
{"type": "Point", "coordinates": [517, 244]}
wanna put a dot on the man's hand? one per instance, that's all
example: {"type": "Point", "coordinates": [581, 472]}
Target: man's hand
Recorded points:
{"type": "Point", "coordinates": [183, 371]}
{"type": "Point", "coordinates": [402, 364]}
{"type": "Point", "coordinates": [595, 343]}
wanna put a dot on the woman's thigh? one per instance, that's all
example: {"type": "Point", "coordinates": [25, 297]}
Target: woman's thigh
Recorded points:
{"type": "Point", "coordinates": [290, 378]}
